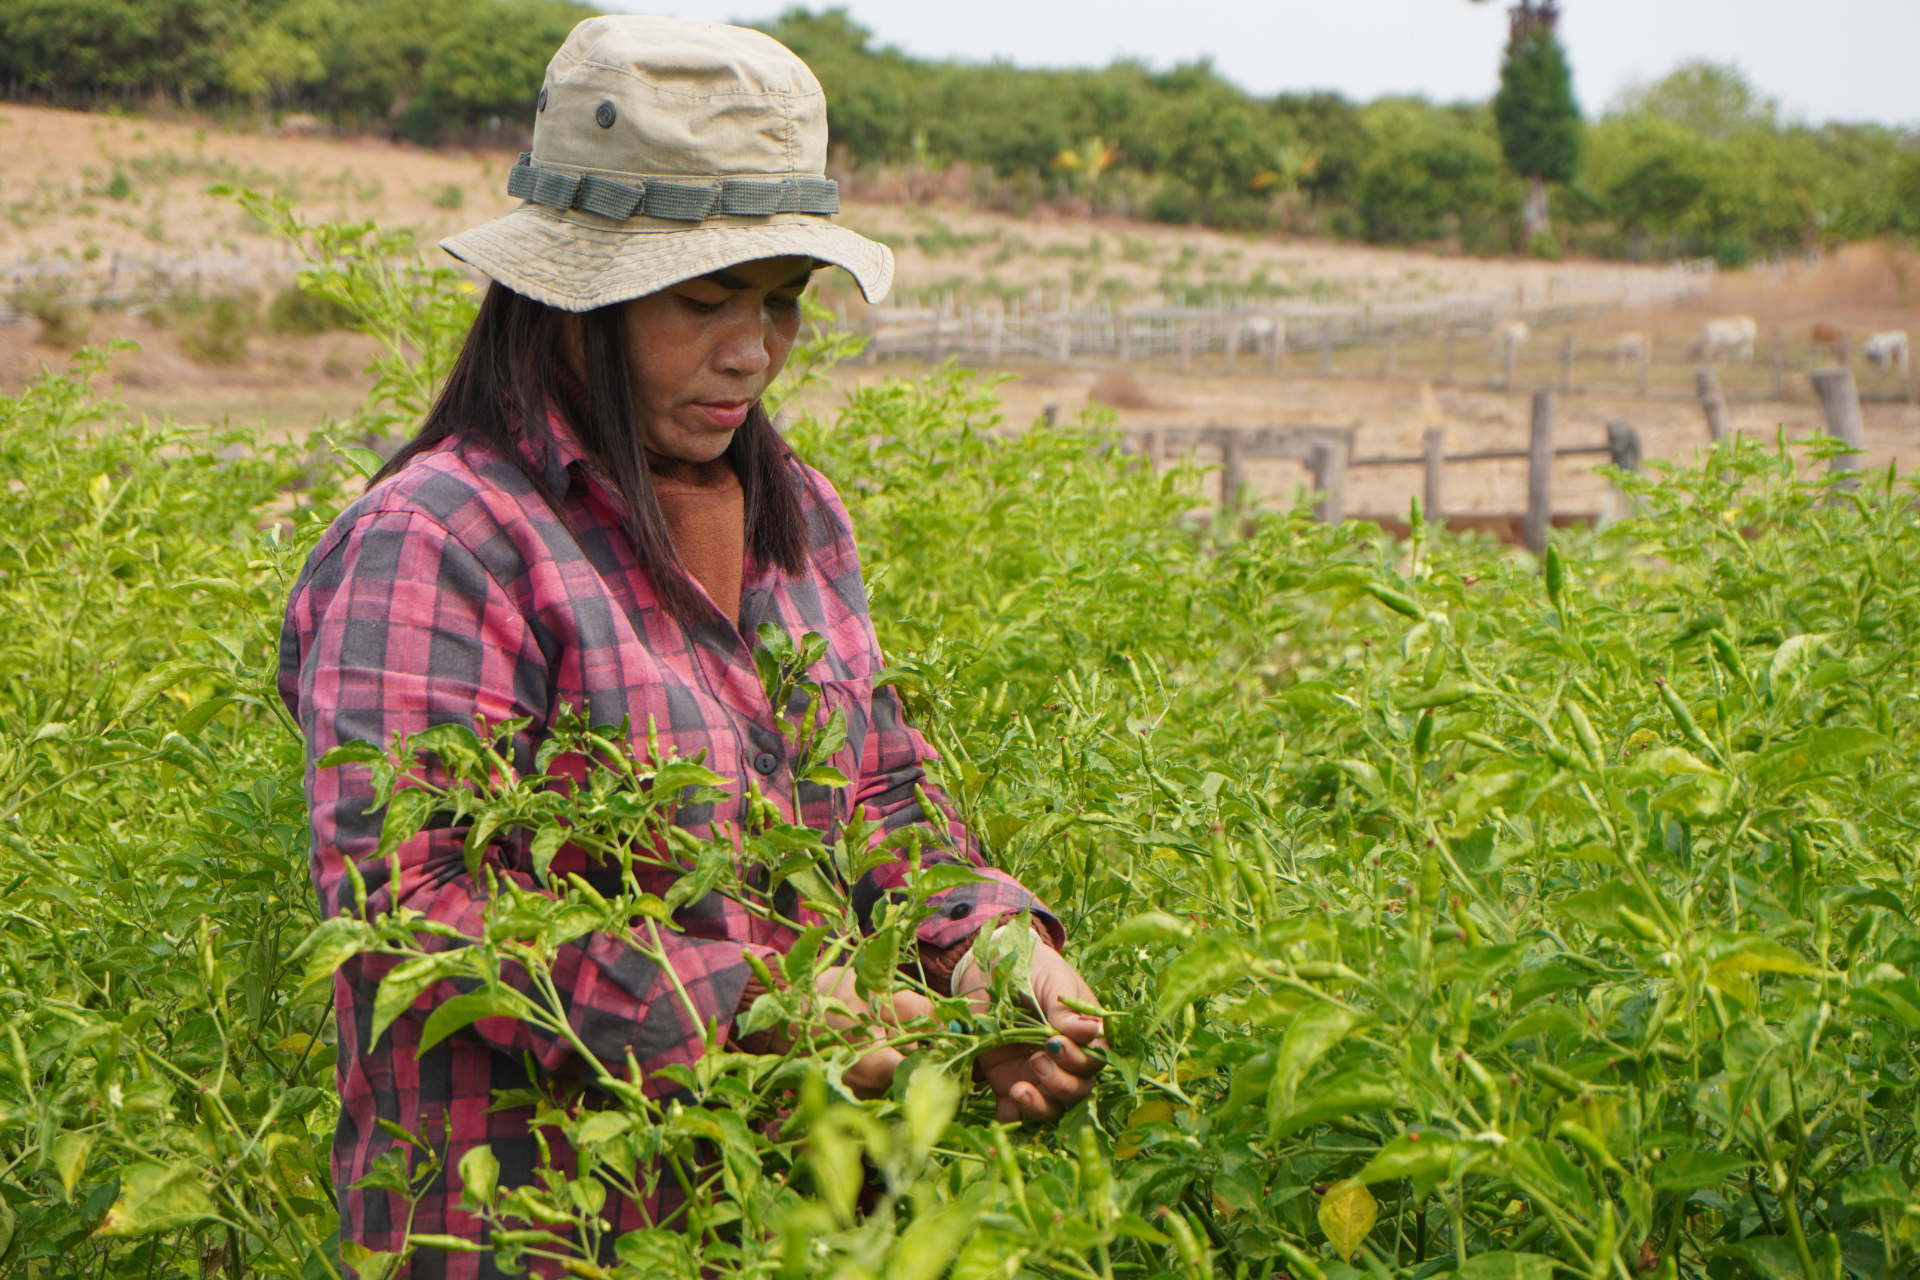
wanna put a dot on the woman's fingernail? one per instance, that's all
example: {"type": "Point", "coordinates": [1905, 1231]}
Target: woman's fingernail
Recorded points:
{"type": "Point", "coordinates": [1055, 1048]}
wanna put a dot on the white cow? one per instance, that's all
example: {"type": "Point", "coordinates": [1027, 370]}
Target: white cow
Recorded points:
{"type": "Point", "coordinates": [1513, 333]}
{"type": "Point", "coordinates": [1630, 348]}
{"type": "Point", "coordinates": [1888, 350]}
{"type": "Point", "coordinates": [1728, 333]}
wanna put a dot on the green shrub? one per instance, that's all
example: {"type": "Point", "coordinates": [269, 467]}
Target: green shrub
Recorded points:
{"type": "Point", "coordinates": [215, 330]}
{"type": "Point", "coordinates": [294, 310]}
{"type": "Point", "coordinates": [63, 322]}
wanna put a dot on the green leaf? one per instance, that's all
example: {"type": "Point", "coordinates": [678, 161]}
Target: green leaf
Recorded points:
{"type": "Point", "coordinates": [388, 1172]}
{"type": "Point", "coordinates": [932, 1098]}
{"type": "Point", "coordinates": [461, 1011]}
{"type": "Point", "coordinates": [1794, 656]}
{"type": "Point", "coordinates": [656, 1251]}
{"type": "Point", "coordinates": [68, 1155]}
{"type": "Point", "coordinates": [1773, 1257]}
{"type": "Point", "coordinates": [1318, 1028]}
{"type": "Point", "coordinates": [1506, 1266]}
{"type": "Point", "coordinates": [1151, 926]}
{"type": "Point", "coordinates": [1820, 751]}
{"type": "Point", "coordinates": [1877, 1186]}
{"type": "Point", "coordinates": [351, 753]}
{"type": "Point", "coordinates": [1544, 981]}
{"type": "Point", "coordinates": [156, 1198]}
{"type": "Point", "coordinates": [933, 1240]}
{"type": "Point", "coordinates": [1696, 1170]}
{"type": "Point", "coordinates": [364, 461]}
{"type": "Point", "coordinates": [201, 713]}
{"type": "Point", "coordinates": [1211, 964]}
{"type": "Point", "coordinates": [157, 682]}
{"type": "Point", "coordinates": [1331, 1104]}
{"type": "Point", "coordinates": [1411, 1155]}
{"type": "Point", "coordinates": [407, 813]}
{"type": "Point", "coordinates": [1598, 908]}
{"type": "Point", "coordinates": [408, 981]}
{"type": "Point", "coordinates": [545, 846]}
{"type": "Point", "coordinates": [331, 944]}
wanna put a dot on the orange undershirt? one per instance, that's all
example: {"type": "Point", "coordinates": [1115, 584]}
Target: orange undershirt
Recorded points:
{"type": "Point", "coordinates": [706, 513]}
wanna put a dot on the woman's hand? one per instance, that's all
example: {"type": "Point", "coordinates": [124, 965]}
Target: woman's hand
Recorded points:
{"type": "Point", "coordinates": [872, 1075]}
{"type": "Point", "coordinates": [1042, 1084]}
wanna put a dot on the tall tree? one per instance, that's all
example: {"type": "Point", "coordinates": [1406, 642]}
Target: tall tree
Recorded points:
{"type": "Point", "coordinates": [1538, 118]}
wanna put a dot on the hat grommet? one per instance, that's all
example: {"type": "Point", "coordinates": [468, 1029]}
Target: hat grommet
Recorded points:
{"type": "Point", "coordinates": [604, 115]}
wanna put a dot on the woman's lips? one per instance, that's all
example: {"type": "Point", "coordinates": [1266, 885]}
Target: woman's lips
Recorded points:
{"type": "Point", "coordinates": [725, 414]}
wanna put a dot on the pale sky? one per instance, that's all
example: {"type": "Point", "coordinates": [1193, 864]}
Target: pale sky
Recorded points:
{"type": "Point", "coordinates": [1824, 59]}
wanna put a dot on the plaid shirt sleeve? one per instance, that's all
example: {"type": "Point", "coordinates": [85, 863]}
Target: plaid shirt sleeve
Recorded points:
{"type": "Point", "coordinates": [405, 628]}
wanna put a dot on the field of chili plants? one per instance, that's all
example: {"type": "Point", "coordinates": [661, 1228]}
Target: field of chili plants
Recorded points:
{"type": "Point", "coordinates": [1450, 912]}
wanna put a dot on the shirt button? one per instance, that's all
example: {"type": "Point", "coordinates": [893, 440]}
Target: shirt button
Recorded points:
{"type": "Point", "coordinates": [765, 763]}
{"type": "Point", "coordinates": [960, 911]}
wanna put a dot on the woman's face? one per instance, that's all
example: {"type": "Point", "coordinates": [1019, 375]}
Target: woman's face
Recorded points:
{"type": "Point", "coordinates": [702, 351]}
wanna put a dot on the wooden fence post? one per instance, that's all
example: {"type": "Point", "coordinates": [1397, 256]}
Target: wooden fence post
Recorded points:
{"type": "Point", "coordinates": [1277, 344]}
{"type": "Point", "coordinates": [1624, 443]}
{"type": "Point", "coordinates": [1233, 476]}
{"type": "Point", "coordinates": [994, 327]}
{"type": "Point", "coordinates": [1436, 443]}
{"type": "Point", "coordinates": [1126, 338]}
{"type": "Point", "coordinates": [1326, 346]}
{"type": "Point", "coordinates": [1841, 401]}
{"type": "Point", "coordinates": [1507, 359]}
{"type": "Point", "coordinates": [1448, 379]}
{"type": "Point", "coordinates": [1186, 346]}
{"type": "Point", "coordinates": [1393, 350]}
{"type": "Point", "coordinates": [1566, 362]}
{"type": "Point", "coordinates": [1540, 473]}
{"type": "Point", "coordinates": [1779, 364]}
{"type": "Point", "coordinates": [1330, 479]}
{"type": "Point", "coordinates": [1066, 339]}
{"type": "Point", "coordinates": [1712, 403]}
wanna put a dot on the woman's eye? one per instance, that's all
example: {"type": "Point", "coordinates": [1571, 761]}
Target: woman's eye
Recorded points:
{"type": "Point", "coordinates": [701, 308]}
{"type": "Point", "coordinates": [784, 304]}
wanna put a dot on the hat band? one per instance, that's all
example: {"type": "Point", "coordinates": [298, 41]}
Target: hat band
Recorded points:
{"type": "Point", "coordinates": [679, 201]}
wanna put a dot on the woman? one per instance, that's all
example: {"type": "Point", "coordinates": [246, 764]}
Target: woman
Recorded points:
{"type": "Point", "coordinates": [598, 514]}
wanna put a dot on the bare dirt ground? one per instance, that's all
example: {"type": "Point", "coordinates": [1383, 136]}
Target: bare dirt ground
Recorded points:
{"type": "Point", "coordinates": [75, 188]}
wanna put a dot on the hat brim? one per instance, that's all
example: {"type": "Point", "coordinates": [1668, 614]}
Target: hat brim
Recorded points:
{"type": "Point", "coordinates": [578, 261]}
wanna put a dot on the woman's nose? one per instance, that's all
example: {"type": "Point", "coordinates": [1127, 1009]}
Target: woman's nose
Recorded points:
{"type": "Point", "coordinates": [743, 344]}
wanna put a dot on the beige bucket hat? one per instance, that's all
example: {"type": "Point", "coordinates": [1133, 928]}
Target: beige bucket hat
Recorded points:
{"type": "Point", "coordinates": [663, 150]}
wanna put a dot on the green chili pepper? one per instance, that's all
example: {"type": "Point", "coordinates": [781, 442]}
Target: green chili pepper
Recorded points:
{"type": "Point", "coordinates": [1729, 656]}
{"type": "Point", "coordinates": [1441, 695]}
{"type": "Point", "coordinates": [1584, 734]}
{"type": "Point", "coordinates": [1394, 600]}
{"type": "Point", "coordinates": [1681, 715]}
{"type": "Point", "coordinates": [1556, 576]}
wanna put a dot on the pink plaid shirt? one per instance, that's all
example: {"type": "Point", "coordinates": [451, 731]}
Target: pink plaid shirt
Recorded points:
{"type": "Point", "coordinates": [453, 590]}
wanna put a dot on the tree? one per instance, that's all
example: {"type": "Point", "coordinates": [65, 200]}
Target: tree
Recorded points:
{"type": "Point", "coordinates": [1538, 118]}
{"type": "Point", "coordinates": [1715, 100]}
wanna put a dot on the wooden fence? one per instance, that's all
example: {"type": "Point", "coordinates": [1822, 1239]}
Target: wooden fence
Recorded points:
{"type": "Point", "coordinates": [121, 280]}
{"type": "Point", "coordinates": [1328, 452]}
{"type": "Point", "coordinates": [1270, 333]}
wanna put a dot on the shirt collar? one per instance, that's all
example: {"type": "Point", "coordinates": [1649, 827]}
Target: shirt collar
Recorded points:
{"type": "Point", "coordinates": [564, 453]}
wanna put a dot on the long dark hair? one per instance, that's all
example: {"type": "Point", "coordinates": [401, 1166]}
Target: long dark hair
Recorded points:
{"type": "Point", "coordinates": [514, 365]}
